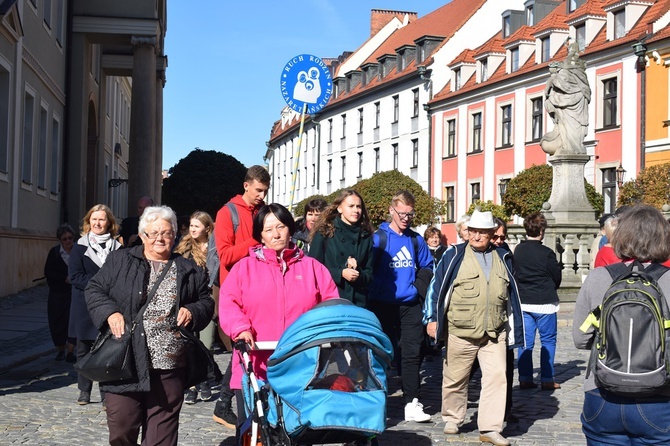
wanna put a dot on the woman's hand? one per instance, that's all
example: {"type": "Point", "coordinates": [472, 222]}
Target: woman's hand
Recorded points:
{"type": "Point", "coordinates": [351, 263]}
{"type": "Point", "coordinates": [116, 324]}
{"type": "Point", "coordinates": [184, 317]}
{"type": "Point", "coordinates": [247, 337]}
{"type": "Point", "coordinates": [350, 275]}
{"type": "Point", "coordinates": [431, 329]}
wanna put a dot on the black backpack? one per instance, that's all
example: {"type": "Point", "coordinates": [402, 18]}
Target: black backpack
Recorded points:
{"type": "Point", "coordinates": [630, 354]}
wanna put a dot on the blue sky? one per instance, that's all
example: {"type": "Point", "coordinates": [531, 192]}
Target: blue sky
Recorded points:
{"type": "Point", "coordinates": [225, 60]}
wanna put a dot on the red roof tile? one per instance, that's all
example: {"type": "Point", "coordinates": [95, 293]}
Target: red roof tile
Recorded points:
{"type": "Point", "coordinates": [554, 20]}
{"type": "Point", "coordinates": [491, 46]}
{"type": "Point", "coordinates": [592, 8]}
{"type": "Point", "coordinates": [466, 56]}
{"type": "Point", "coordinates": [523, 34]}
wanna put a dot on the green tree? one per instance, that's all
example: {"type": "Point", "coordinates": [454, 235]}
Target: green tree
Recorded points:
{"type": "Point", "coordinates": [203, 181]}
{"type": "Point", "coordinates": [377, 192]}
{"type": "Point", "coordinates": [497, 210]}
{"type": "Point", "coordinates": [652, 187]}
{"type": "Point", "coordinates": [527, 191]}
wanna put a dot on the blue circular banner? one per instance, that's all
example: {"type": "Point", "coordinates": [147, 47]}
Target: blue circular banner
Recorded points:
{"type": "Point", "coordinates": [306, 80]}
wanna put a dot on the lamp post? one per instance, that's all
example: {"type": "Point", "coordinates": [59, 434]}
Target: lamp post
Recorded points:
{"type": "Point", "coordinates": [502, 187]}
{"type": "Point", "coordinates": [620, 175]}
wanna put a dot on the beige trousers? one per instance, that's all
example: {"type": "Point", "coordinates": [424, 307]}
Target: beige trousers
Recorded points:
{"type": "Point", "coordinates": [461, 354]}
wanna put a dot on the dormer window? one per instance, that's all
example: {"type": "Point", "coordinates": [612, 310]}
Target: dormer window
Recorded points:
{"type": "Point", "coordinates": [457, 79]}
{"type": "Point", "coordinates": [484, 70]}
{"type": "Point", "coordinates": [530, 21]}
{"type": "Point", "coordinates": [619, 23]}
{"type": "Point", "coordinates": [545, 49]}
{"type": "Point", "coordinates": [514, 59]}
{"type": "Point", "coordinates": [580, 35]}
{"type": "Point", "coordinates": [574, 4]}
{"type": "Point", "coordinates": [507, 26]}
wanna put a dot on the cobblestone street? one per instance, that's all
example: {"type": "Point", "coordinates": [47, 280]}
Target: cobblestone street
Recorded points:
{"type": "Point", "coordinates": [38, 396]}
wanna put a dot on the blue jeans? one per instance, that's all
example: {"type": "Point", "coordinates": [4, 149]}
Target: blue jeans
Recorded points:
{"type": "Point", "coordinates": [608, 419]}
{"type": "Point", "coordinates": [545, 324]}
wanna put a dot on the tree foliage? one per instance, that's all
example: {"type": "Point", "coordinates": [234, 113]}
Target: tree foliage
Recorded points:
{"type": "Point", "coordinates": [203, 181]}
{"type": "Point", "coordinates": [497, 210]}
{"type": "Point", "coordinates": [652, 187]}
{"type": "Point", "coordinates": [527, 191]}
{"type": "Point", "coordinates": [377, 192]}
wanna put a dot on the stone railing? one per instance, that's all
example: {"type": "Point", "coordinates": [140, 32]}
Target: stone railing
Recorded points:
{"type": "Point", "coordinates": [572, 245]}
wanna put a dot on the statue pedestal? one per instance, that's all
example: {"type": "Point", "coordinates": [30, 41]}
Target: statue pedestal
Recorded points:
{"type": "Point", "coordinates": [568, 200]}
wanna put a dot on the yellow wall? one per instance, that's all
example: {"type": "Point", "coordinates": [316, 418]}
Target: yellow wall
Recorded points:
{"type": "Point", "coordinates": [22, 257]}
{"type": "Point", "coordinates": [657, 100]}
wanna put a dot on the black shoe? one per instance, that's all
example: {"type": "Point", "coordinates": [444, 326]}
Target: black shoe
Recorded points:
{"type": "Point", "coordinates": [71, 358]}
{"type": "Point", "coordinates": [191, 396]}
{"type": "Point", "coordinates": [223, 413]}
{"type": "Point", "coordinates": [60, 355]}
{"type": "Point", "coordinates": [84, 398]}
{"type": "Point", "coordinates": [205, 391]}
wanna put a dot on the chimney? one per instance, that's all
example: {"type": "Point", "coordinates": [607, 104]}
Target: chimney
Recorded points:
{"type": "Point", "coordinates": [381, 17]}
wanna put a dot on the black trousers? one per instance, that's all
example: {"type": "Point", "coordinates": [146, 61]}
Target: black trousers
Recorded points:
{"type": "Point", "coordinates": [403, 324]}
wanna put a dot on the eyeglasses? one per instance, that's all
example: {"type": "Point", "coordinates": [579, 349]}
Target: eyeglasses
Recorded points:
{"type": "Point", "coordinates": [498, 237]}
{"type": "Point", "coordinates": [155, 235]}
{"type": "Point", "coordinates": [403, 215]}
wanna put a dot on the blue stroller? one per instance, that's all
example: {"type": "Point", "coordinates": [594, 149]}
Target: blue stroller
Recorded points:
{"type": "Point", "coordinates": [326, 380]}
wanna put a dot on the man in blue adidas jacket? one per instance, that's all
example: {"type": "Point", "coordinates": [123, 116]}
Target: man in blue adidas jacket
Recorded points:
{"type": "Point", "coordinates": [394, 298]}
{"type": "Point", "coordinates": [473, 305]}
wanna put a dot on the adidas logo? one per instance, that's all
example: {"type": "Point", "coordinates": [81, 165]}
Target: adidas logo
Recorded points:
{"type": "Point", "coordinates": [403, 259]}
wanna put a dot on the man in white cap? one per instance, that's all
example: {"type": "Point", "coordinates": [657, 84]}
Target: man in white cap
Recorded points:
{"type": "Point", "coordinates": [473, 305]}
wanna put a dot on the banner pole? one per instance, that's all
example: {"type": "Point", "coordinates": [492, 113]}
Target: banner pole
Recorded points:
{"type": "Point", "coordinates": [297, 158]}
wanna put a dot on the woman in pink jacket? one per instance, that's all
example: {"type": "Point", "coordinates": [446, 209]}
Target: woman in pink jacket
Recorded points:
{"type": "Point", "coordinates": [267, 291]}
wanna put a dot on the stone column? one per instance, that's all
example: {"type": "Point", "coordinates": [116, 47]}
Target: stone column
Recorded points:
{"type": "Point", "coordinates": [160, 84]}
{"type": "Point", "coordinates": [142, 157]}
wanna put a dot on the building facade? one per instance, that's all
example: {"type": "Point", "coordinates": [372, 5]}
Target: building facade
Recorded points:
{"type": "Point", "coordinates": [73, 74]}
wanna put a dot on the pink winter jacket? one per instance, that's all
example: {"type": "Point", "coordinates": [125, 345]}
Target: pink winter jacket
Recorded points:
{"type": "Point", "coordinates": [264, 296]}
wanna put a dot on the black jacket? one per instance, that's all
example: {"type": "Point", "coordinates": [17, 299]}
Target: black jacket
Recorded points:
{"type": "Point", "coordinates": [121, 286]}
{"type": "Point", "coordinates": [538, 273]}
{"type": "Point", "coordinates": [55, 270]}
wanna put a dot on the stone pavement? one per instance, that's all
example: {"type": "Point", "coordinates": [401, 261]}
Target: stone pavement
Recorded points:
{"type": "Point", "coordinates": [38, 395]}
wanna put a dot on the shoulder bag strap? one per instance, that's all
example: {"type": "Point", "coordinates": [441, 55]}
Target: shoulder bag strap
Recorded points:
{"type": "Point", "coordinates": [152, 292]}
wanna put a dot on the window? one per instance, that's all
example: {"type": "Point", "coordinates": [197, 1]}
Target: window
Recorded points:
{"type": "Point", "coordinates": [610, 102]}
{"type": "Point", "coordinates": [475, 192]}
{"type": "Point", "coordinates": [59, 22]}
{"type": "Point", "coordinates": [415, 109]}
{"type": "Point", "coordinates": [451, 138]}
{"type": "Point", "coordinates": [46, 13]}
{"type": "Point", "coordinates": [27, 159]}
{"type": "Point", "coordinates": [507, 26]}
{"type": "Point", "coordinates": [42, 154]}
{"type": "Point", "coordinates": [546, 49]}
{"type": "Point", "coordinates": [476, 132]}
{"type": "Point", "coordinates": [530, 16]}
{"type": "Point", "coordinates": [619, 23]}
{"type": "Point", "coordinates": [344, 126]}
{"type": "Point", "coordinates": [514, 66]}
{"type": "Point", "coordinates": [609, 189]}
{"type": "Point", "coordinates": [360, 164]}
{"type": "Point", "coordinates": [580, 33]}
{"type": "Point", "coordinates": [376, 159]}
{"type": "Point", "coordinates": [330, 170]}
{"type": "Point", "coordinates": [313, 174]}
{"type": "Point", "coordinates": [360, 120]}
{"type": "Point", "coordinates": [344, 167]}
{"type": "Point", "coordinates": [377, 112]}
{"type": "Point", "coordinates": [395, 156]}
{"type": "Point", "coordinates": [484, 70]}
{"type": "Point", "coordinates": [415, 152]}
{"type": "Point", "coordinates": [536, 119]}
{"type": "Point", "coordinates": [449, 199]}
{"type": "Point", "coordinates": [396, 108]}
{"type": "Point", "coordinates": [330, 130]}
{"type": "Point", "coordinates": [457, 79]}
{"type": "Point", "coordinates": [506, 125]}
{"type": "Point", "coordinates": [4, 118]}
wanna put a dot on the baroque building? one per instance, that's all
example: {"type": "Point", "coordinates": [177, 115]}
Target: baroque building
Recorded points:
{"type": "Point", "coordinates": [81, 87]}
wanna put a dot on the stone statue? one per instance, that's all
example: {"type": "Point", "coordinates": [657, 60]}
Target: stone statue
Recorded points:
{"type": "Point", "coordinates": [567, 97]}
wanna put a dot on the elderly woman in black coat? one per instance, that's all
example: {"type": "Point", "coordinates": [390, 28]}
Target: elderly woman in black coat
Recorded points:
{"type": "Point", "coordinates": [152, 401]}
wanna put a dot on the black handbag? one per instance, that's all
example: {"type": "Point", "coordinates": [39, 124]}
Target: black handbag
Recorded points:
{"type": "Point", "coordinates": [200, 363]}
{"type": "Point", "coordinates": [111, 358]}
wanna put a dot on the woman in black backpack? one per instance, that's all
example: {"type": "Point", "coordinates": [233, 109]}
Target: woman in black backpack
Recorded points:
{"type": "Point", "coordinates": [643, 236]}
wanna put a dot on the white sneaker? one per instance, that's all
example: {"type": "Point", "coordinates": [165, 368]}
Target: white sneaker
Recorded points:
{"type": "Point", "coordinates": [414, 412]}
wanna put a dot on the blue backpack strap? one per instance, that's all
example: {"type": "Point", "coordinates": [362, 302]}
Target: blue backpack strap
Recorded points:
{"type": "Point", "coordinates": [234, 216]}
{"type": "Point", "coordinates": [383, 238]}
